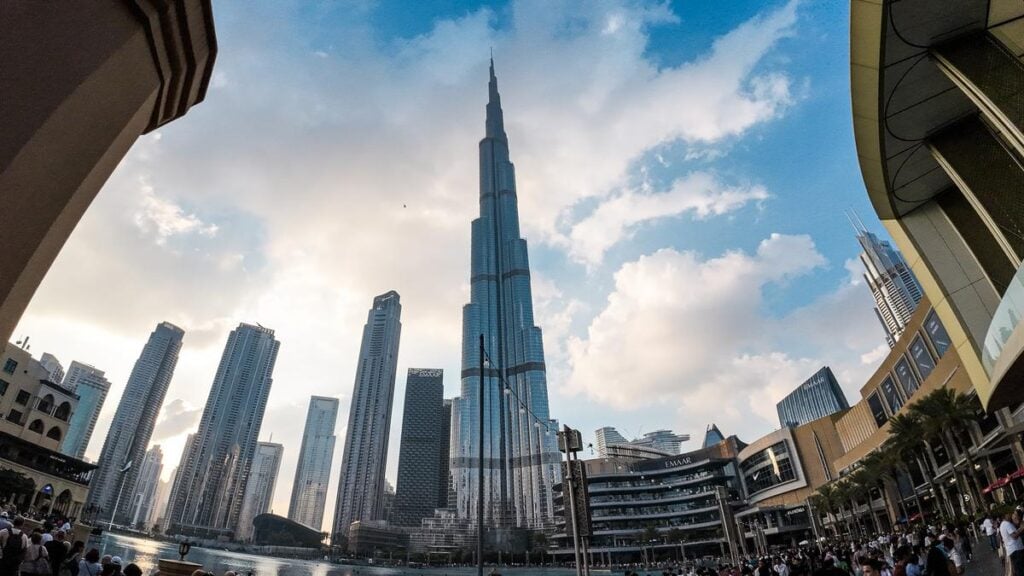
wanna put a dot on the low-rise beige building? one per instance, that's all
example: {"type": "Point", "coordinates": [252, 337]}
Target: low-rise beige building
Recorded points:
{"type": "Point", "coordinates": [34, 416]}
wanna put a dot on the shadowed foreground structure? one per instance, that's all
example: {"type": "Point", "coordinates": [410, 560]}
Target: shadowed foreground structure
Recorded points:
{"type": "Point", "coordinates": [80, 82]}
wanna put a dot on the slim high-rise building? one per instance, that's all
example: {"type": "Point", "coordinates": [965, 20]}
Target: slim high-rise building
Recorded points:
{"type": "Point", "coordinates": [361, 485]}
{"type": "Point", "coordinates": [91, 385]}
{"type": "Point", "coordinates": [444, 467]}
{"type": "Point", "coordinates": [419, 460]}
{"type": "Point", "coordinates": [819, 396]}
{"type": "Point", "coordinates": [313, 472]}
{"type": "Point", "coordinates": [259, 492]}
{"type": "Point", "coordinates": [519, 443]}
{"type": "Point", "coordinates": [892, 283]}
{"type": "Point", "coordinates": [141, 505]}
{"type": "Point", "coordinates": [53, 367]}
{"type": "Point", "coordinates": [128, 438]}
{"type": "Point", "coordinates": [207, 498]}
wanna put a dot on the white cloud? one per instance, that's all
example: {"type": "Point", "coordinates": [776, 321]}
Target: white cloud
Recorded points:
{"type": "Point", "coordinates": [163, 218]}
{"type": "Point", "coordinates": [693, 333]}
{"type": "Point", "coordinates": [700, 193]}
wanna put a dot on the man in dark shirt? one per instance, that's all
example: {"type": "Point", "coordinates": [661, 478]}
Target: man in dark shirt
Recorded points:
{"type": "Point", "coordinates": [938, 563]}
{"type": "Point", "coordinates": [58, 551]}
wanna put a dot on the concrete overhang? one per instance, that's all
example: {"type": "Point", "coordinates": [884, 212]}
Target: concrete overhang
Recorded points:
{"type": "Point", "coordinates": [900, 98]}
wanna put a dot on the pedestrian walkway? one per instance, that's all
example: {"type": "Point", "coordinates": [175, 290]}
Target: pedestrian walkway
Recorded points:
{"type": "Point", "coordinates": [985, 563]}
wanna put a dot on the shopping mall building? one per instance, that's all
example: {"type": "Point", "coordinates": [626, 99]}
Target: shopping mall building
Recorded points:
{"type": "Point", "coordinates": [666, 507]}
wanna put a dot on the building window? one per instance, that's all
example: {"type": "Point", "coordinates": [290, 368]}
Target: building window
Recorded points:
{"type": "Point", "coordinates": [14, 416]}
{"type": "Point", "coordinates": [3, 386]}
{"type": "Point", "coordinates": [10, 366]}
{"type": "Point", "coordinates": [54, 434]}
{"type": "Point", "coordinates": [36, 426]}
{"type": "Point", "coordinates": [937, 333]}
{"type": "Point", "coordinates": [891, 395]}
{"type": "Point", "coordinates": [875, 405]}
{"type": "Point", "coordinates": [922, 357]}
{"type": "Point", "coordinates": [769, 467]}
{"type": "Point", "coordinates": [906, 377]}
{"type": "Point", "coordinates": [22, 397]}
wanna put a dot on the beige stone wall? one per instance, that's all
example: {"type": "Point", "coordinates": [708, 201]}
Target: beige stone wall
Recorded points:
{"type": "Point", "coordinates": [27, 377]}
{"type": "Point", "coordinates": [857, 430]}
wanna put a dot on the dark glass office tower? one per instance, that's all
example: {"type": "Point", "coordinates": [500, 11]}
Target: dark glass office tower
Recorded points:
{"type": "Point", "coordinates": [419, 462]}
{"type": "Point", "coordinates": [819, 396]}
{"type": "Point", "coordinates": [519, 442]}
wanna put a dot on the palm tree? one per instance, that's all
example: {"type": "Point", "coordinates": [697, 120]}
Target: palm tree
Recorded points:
{"type": "Point", "coordinates": [905, 441]}
{"type": "Point", "coordinates": [945, 414]}
{"type": "Point", "coordinates": [861, 484]}
{"type": "Point", "coordinates": [878, 470]}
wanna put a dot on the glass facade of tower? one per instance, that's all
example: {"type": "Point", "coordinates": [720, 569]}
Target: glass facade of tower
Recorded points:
{"type": "Point", "coordinates": [259, 491]}
{"type": "Point", "coordinates": [519, 443]}
{"type": "Point", "coordinates": [132, 427]}
{"type": "Point", "coordinates": [419, 462]}
{"type": "Point", "coordinates": [363, 462]}
{"type": "Point", "coordinates": [142, 500]}
{"type": "Point", "coordinates": [819, 396]}
{"type": "Point", "coordinates": [92, 386]}
{"type": "Point", "coordinates": [893, 285]}
{"type": "Point", "coordinates": [313, 471]}
{"type": "Point", "coordinates": [207, 497]}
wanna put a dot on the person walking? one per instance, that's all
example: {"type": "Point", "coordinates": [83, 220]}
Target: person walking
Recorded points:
{"type": "Point", "coordinates": [36, 560]}
{"type": "Point", "coordinates": [13, 543]}
{"type": "Point", "coordinates": [989, 528]}
{"type": "Point", "coordinates": [74, 558]}
{"type": "Point", "coordinates": [1009, 532]}
{"type": "Point", "coordinates": [58, 550]}
{"type": "Point", "coordinates": [90, 564]}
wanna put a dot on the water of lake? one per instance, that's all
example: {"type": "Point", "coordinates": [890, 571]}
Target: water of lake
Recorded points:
{"type": "Point", "coordinates": [146, 553]}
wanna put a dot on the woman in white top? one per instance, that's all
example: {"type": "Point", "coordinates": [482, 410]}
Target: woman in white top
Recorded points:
{"type": "Point", "coordinates": [36, 559]}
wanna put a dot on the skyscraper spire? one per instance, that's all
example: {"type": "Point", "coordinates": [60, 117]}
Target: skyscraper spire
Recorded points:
{"type": "Point", "coordinates": [495, 119]}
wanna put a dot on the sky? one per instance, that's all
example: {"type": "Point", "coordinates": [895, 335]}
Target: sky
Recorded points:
{"type": "Point", "coordinates": [683, 171]}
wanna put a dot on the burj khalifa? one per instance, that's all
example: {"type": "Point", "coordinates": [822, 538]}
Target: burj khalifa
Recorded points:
{"type": "Point", "coordinates": [521, 459]}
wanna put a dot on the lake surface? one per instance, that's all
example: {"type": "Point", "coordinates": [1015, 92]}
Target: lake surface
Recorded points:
{"type": "Point", "coordinates": [146, 553]}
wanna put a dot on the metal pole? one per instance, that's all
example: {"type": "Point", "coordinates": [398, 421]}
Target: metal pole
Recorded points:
{"type": "Point", "coordinates": [584, 544]}
{"type": "Point", "coordinates": [568, 481]}
{"type": "Point", "coordinates": [117, 502]}
{"type": "Point", "coordinates": [480, 472]}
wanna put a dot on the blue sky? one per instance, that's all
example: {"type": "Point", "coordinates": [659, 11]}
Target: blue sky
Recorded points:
{"type": "Point", "coordinates": [683, 169]}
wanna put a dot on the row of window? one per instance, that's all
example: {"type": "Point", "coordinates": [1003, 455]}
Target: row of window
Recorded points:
{"type": "Point", "coordinates": [908, 373]}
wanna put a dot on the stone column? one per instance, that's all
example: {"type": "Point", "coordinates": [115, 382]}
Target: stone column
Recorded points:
{"type": "Point", "coordinates": [80, 82]}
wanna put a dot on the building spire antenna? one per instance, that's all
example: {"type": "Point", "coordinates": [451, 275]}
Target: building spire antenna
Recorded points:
{"type": "Point", "coordinates": [862, 226]}
{"type": "Point", "coordinates": [849, 218]}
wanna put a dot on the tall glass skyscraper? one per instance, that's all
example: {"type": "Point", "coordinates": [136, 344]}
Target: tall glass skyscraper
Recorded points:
{"type": "Point", "coordinates": [361, 485]}
{"type": "Point", "coordinates": [91, 385]}
{"type": "Point", "coordinates": [126, 442]}
{"type": "Point", "coordinates": [259, 491]}
{"type": "Point", "coordinates": [519, 442]}
{"type": "Point", "coordinates": [819, 396]}
{"type": "Point", "coordinates": [313, 472]}
{"type": "Point", "coordinates": [207, 497]}
{"type": "Point", "coordinates": [143, 497]}
{"type": "Point", "coordinates": [893, 285]}
{"type": "Point", "coordinates": [419, 463]}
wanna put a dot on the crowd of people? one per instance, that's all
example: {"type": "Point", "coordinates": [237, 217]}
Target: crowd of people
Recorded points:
{"type": "Point", "coordinates": [920, 550]}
